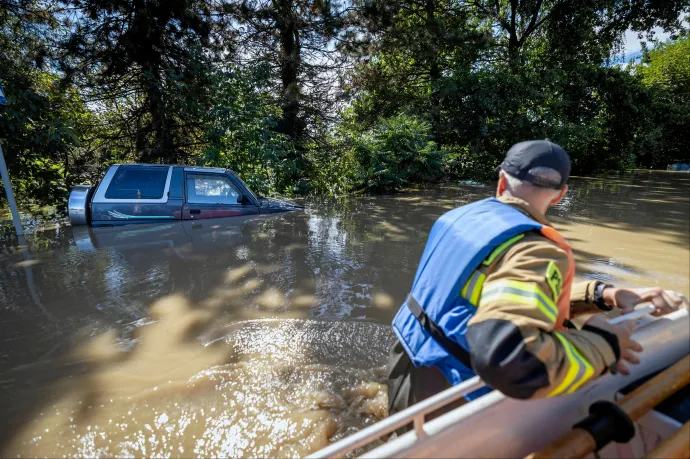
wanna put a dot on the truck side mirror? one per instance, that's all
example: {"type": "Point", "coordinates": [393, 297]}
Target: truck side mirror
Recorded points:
{"type": "Point", "coordinates": [244, 200]}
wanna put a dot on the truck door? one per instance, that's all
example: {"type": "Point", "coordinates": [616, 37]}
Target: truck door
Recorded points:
{"type": "Point", "coordinates": [214, 195]}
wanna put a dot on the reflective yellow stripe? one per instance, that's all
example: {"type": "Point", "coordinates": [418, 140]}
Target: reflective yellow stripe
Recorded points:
{"type": "Point", "coordinates": [502, 248]}
{"type": "Point", "coordinates": [579, 370]}
{"type": "Point", "coordinates": [477, 290]}
{"type": "Point", "coordinates": [463, 293]}
{"type": "Point", "coordinates": [589, 371]}
{"type": "Point", "coordinates": [521, 292]}
{"type": "Point", "coordinates": [573, 369]}
{"type": "Point", "coordinates": [521, 299]}
{"type": "Point", "coordinates": [473, 287]}
{"type": "Point", "coordinates": [555, 279]}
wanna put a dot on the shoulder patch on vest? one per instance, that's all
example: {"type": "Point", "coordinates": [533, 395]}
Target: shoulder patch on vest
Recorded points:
{"type": "Point", "coordinates": [554, 279]}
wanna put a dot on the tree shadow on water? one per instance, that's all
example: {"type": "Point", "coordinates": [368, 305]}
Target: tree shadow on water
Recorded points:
{"type": "Point", "coordinates": [142, 316]}
{"type": "Point", "coordinates": [186, 304]}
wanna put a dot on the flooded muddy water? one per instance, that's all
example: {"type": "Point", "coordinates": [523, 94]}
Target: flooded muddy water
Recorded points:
{"type": "Point", "coordinates": [261, 337]}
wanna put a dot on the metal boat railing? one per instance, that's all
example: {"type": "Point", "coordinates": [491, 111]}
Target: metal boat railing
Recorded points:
{"type": "Point", "coordinates": [422, 430]}
{"type": "Point", "coordinates": [415, 414]}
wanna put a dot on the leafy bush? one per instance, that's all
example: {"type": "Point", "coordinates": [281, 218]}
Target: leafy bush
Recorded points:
{"type": "Point", "coordinates": [397, 152]}
{"type": "Point", "coordinates": [40, 130]}
{"type": "Point", "coordinates": [333, 167]}
{"type": "Point", "coordinates": [240, 134]}
{"type": "Point", "coordinates": [665, 72]}
{"type": "Point", "coordinates": [468, 162]}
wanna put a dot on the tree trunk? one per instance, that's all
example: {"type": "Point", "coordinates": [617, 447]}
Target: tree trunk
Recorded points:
{"type": "Point", "coordinates": [434, 71]}
{"type": "Point", "coordinates": [513, 42]}
{"type": "Point", "coordinates": [162, 148]}
{"type": "Point", "coordinates": [290, 59]}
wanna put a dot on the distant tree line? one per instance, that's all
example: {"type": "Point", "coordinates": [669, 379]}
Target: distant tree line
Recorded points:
{"type": "Point", "coordinates": [335, 96]}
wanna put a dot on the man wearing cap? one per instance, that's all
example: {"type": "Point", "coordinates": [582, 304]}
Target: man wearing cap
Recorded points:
{"type": "Point", "coordinates": [493, 296]}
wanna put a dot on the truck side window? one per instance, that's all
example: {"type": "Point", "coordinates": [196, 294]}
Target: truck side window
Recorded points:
{"type": "Point", "coordinates": [138, 182]}
{"type": "Point", "coordinates": [211, 189]}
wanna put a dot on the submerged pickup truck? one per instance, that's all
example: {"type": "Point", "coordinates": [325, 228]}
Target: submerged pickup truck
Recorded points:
{"type": "Point", "coordinates": [146, 193]}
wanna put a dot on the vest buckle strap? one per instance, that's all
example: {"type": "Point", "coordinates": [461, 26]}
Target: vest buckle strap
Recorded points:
{"type": "Point", "coordinates": [453, 348]}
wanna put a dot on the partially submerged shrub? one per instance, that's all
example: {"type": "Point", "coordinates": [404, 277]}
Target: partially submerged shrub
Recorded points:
{"type": "Point", "coordinates": [397, 152]}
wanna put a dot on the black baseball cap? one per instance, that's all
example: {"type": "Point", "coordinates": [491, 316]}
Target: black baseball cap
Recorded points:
{"type": "Point", "coordinates": [524, 156]}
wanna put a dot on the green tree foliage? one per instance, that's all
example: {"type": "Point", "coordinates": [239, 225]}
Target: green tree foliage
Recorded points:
{"type": "Point", "coordinates": [42, 124]}
{"type": "Point", "coordinates": [540, 69]}
{"type": "Point", "coordinates": [396, 153]}
{"type": "Point", "coordinates": [298, 41]}
{"type": "Point", "coordinates": [42, 129]}
{"type": "Point", "coordinates": [518, 26]}
{"type": "Point", "coordinates": [148, 60]}
{"type": "Point", "coordinates": [415, 44]}
{"type": "Point", "coordinates": [333, 96]}
{"type": "Point", "coordinates": [240, 132]}
{"type": "Point", "coordinates": [665, 71]}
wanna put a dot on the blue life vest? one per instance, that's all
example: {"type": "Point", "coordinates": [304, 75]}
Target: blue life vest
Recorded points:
{"type": "Point", "coordinates": [458, 243]}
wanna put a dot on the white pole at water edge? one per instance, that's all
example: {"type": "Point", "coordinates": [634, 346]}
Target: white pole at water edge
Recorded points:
{"type": "Point", "coordinates": [10, 195]}
{"type": "Point", "coordinates": [6, 181]}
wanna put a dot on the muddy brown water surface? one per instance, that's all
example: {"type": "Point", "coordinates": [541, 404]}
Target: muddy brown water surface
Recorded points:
{"type": "Point", "coordinates": [263, 337]}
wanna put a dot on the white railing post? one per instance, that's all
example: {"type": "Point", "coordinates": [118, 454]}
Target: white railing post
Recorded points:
{"type": "Point", "coordinates": [413, 414]}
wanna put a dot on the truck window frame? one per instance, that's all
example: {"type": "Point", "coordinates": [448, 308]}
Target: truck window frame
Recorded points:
{"type": "Point", "coordinates": [99, 195]}
{"type": "Point", "coordinates": [213, 174]}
